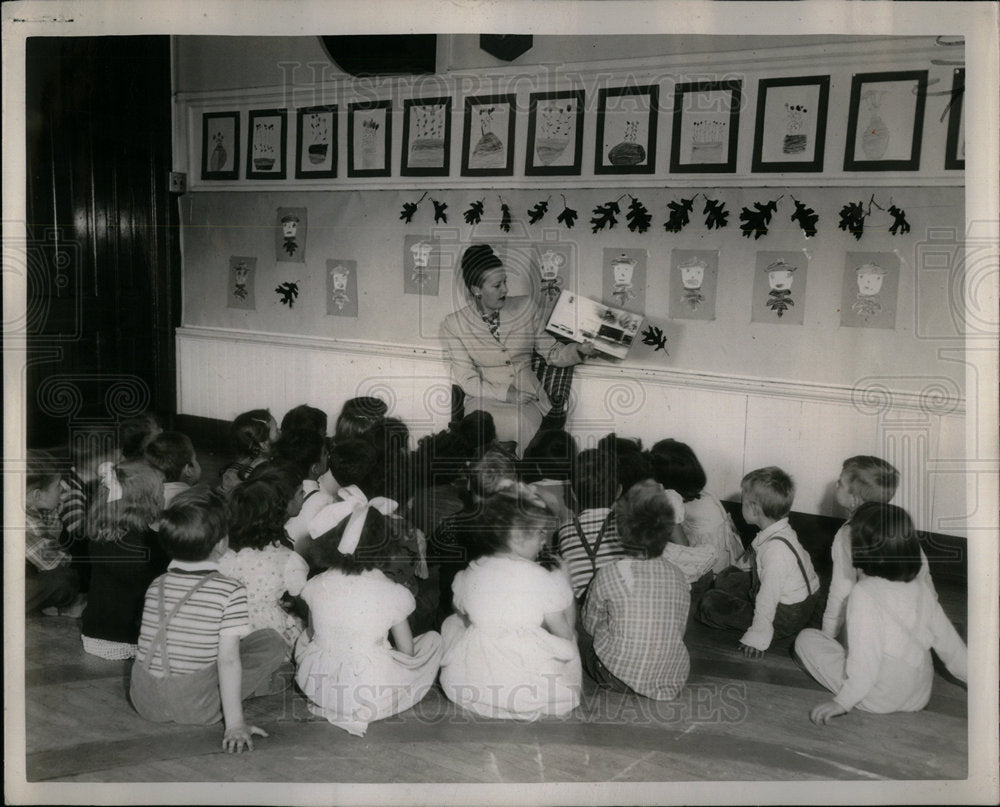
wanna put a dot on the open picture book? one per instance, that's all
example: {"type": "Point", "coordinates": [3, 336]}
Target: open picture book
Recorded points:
{"type": "Point", "coordinates": [582, 319]}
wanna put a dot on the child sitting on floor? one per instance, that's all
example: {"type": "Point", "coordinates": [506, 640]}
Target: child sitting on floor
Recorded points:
{"type": "Point", "coordinates": [134, 433]}
{"type": "Point", "coordinates": [776, 596]}
{"type": "Point", "coordinates": [173, 455]}
{"type": "Point", "coordinates": [259, 557]}
{"type": "Point", "coordinates": [636, 611]}
{"type": "Point", "coordinates": [893, 620]}
{"type": "Point", "coordinates": [547, 465]}
{"type": "Point", "coordinates": [304, 451]}
{"type": "Point", "coordinates": [510, 648]}
{"type": "Point", "coordinates": [357, 416]}
{"type": "Point", "coordinates": [862, 479]}
{"type": "Point", "coordinates": [252, 434]}
{"type": "Point", "coordinates": [198, 659]}
{"type": "Point", "coordinates": [348, 670]}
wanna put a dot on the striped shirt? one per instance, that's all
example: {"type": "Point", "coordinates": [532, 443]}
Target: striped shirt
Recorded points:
{"type": "Point", "coordinates": [637, 611]}
{"type": "Point", "coordinates": [192, 637]}
{"type": "Point", "coordinates": [573, 552]}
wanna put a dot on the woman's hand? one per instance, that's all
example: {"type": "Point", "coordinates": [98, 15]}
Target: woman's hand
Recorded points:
{"type": "Point", "coordinates": [825, 712]}
{"type": "Point", "coordinates": [238, 737]}
{"type": "Point", "coordinates": [585, 349]}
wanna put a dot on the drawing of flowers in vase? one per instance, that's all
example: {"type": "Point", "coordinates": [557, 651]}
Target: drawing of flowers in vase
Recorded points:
{"type": "Point", "coordinates": [796, 139]}
{"type": "Point", "coordinates": [708, 137]}
{"type": "Point", "coordinates": [217, 160]}
{"type": "Point", "coordinates": [875, 134]}
{"type": "Point", "coordinates": [427, 146]}
{"type": "Point", "coordinates": [628, 151]}
{"type": "Point", "coordinates": [557, 125]}
{"type": "Point", "coordinates": [489, 149]}
{"type": "Point", "coordinates": [369, 133]}
{"type": "Point", "coordinates": [264, 146]}
{"type": "Point", "coordinates": [319, 138]}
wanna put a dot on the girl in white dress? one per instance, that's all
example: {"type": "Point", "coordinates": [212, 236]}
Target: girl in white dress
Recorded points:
{"type": "Point", "coordinates": [347, 668]}
{"type": "Point", "coordinates": [510, 648]}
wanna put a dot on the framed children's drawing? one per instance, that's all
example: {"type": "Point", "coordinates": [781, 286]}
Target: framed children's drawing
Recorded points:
{"type": "Point", "coordinates": [790, 129]}
{"type": "Point", "coordinates": [316, 142]}
{"type": "Point", "coordinates": [488, 136]}
{"type": "Point", "coordinates": [369, 138]}
{"type": "Point", "coordinates": [267, 145]}
{"type": "Point", "coordinates": [426, 137]}
{"type": "Point", "coordinates": [626, 130]}
{"type": "Point", "coordinates": [954, 156]}
{"type": "Point", "coordinates": [555, 133]}
{"type": "Point", "coordinates": [220, 145]}
{"type": "Point", "coordinates": [706, 126]}
{"type": "Point", "coordinates": [885, 121]}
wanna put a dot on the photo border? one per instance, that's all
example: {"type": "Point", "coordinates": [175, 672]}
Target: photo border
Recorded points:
{"type": "Point", "coordinates": [300, 114]}
{"type": "Point", "coordinates": [214, 175]}
{"type": "Point", "coordinates": [735, 87]}
{"type": "Point", "coordinates": [530, 169]}
{"type": "Point", "coordinates": [816, 162]}
{"type": "Point", "coordinates": [911, 163]}
{"type": "Point", "coordinates": [955, 112]}
{"type": "Point", "coordinates": [404, 167]}
{"type": "Point", "coordinates": [653, 92]}
{"type": "Point", "coordinates": [282, 115]}
{"type": "Point", "coordinates": [360, 106]}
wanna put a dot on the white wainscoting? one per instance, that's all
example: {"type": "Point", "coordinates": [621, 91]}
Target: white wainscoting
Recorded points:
{"type": "Point", "coordinates": [734, 424]}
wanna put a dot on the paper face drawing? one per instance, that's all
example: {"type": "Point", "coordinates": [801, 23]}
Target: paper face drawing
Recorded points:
{"type": "Point", "coordinates": [341, 288]}
{"type": "Point", "coordinates": [779, 278]}
{"type": "Point", "coordinates": [779, 289]}
{"type": "Point", "coordinates": [421, 253]}
{"type": "Point", "coordinates": [692, 277]}
{"type": "Point", "coordinates": [240, 292]}
{"type": "Point", "coordinates": [622, 269]}
{"type": "Point", "coordinates": [549, 265]}
{"type": "Point", "coordinates": [870, 289]}
{"type": "Point", "coordinates": [290, 235]}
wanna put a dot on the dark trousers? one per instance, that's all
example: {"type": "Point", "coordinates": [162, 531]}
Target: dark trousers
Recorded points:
{"type": "Point", "coordinates": [730, 605]}
{"type": "Point", "coordinates": [56, 588]}
{"type": "Point", "coordinates": [595, 668]}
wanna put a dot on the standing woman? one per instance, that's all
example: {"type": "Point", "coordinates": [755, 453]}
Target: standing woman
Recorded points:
{"type": "Point", "coordinates": [489, 345]}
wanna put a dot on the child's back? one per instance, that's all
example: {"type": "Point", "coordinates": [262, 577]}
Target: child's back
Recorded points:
{"type": "Point", "coordinates": [706, 523]}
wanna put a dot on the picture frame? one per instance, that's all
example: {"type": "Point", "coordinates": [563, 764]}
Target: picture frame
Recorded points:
{"type": "Point", "coordinates": [368, 152]}
{"type": "Point", "coordinates": [426, 137]}
{"type": "Point", "coordinates": [706, 128]}
{"type": "Point", "coordinates": [790, 127]}
{"type": "Point", "coordinates": [885, 121]}
{"type": "Point", "coordinates": [267, 144]}
{"type": "Point", "coordinates": [488, 135]}
{"type": "Point", "coordinates": [954, 151]}
{"type": "Point", "coordinates": [220, 145]}
{"type": "Point", "coordinates": [555, 133]}
{"type": "Point", "coordinates": [316, 142]}
{"type": "Point", "coordinates": [626, 130]}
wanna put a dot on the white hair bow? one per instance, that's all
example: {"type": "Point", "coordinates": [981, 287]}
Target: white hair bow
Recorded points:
{"type": "Point", "coordinates": [677, 503]}
{"type": "Point", "coordinates": [108, 477]}
{"type": "Point", "coordinates": [354, 506]}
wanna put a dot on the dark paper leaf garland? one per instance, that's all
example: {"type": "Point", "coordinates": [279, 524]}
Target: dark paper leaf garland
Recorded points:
{"type": "Point", "coordinates": [409, 208]}
{"type": "Point", "coordinates": [440, 217]}
{"type": "Point", "coordinates": [538, 211]}
{"type": "Point", "coordinates": [654, 336]}
{"type": "Point", "coordinates": [605, 216]}
{"type": "Point", "coordinates": [474, 214]}
{"type": "Point", "coordinates": [680, 213]}
{"type": "Point", "coordinates": [899, 223]}
{"type": "Point", "coordinates": [638, 217]}
{"type": "Point", "coordinates": [567, 217]}
{"type": "Point", "coordinates": [715, 214]}
{"type": "Point", "coordinates": [806, 218]}
{"type": "Point", "coordinates": [852, 219]}
{"type": "Point", "coordinates": [288, 292]}
{"type": "Point", "coordinates": [756, 221]}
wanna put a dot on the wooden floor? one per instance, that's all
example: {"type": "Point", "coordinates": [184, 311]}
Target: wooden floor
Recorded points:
{"type": "Point", "coordinates": [737, 720]}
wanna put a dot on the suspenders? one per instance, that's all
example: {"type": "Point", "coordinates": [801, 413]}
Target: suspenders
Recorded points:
{"type": "Point", "coordinates": [159, 642]}
{"type": "Point", "coordinates": [798, 560]}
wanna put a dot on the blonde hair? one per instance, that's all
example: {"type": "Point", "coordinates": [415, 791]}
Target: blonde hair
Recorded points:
{"type": "Point", "coordinates": [645, 519]}
{"type": "Point", "coordinates": [871, 479]}
{"type": "Point", "coordinates": [140, 505]}
{"type": "Point", "coordinates": [772, 489]}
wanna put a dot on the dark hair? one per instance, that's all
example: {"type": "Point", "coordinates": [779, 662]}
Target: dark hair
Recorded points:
{"type": "Point", "coordinates": [645, 519]}
{"type": "Point", "coordinates": [675, 466]}
{"type": "Point", "coordinates": [193, 524]}
{"type": "Point", "coordinates": [506, 510]}
{"type": "Point", "coordinates": [631, 463]}
{"type": "Point", "coordinates": [477, 431]}
{"type": "Point", "coordinates": [477, 261]}
{"type": "Point", "coordinates": [258, 510]}
{"type": "Point", "coordinates": [280, 473]}
{"type": "Point", "coordinates": [772, 489]}
{"type": "Point", "coordinates": [358, 415]}
{"type": "Point", "coordinates": [43, 468]}
{"type": "Point", "coordinates": [301, 448]}
{"type": "Point", "coordinates": [379, 547]}
{"type": "Point", "coordinates": [250, 432]}
{"type": "Point", "coordinates": [871, 478]}
{"type": "Point", "coordinates": [884, 542]}
{"type": "Point", "coordinates": [549, 455]}
{"type": "Point", "coordinates": [391, 439]}
{"type": "Point", "coordinates": [354, 462]}
{"type": "Point", "coordinates": [169, 452]}
{"type": "Point", "coordinates": [594, 478]}
{"type": "Point", "coordinates": [134, 432]}
{"type": "Point", "coordinates": [305, 417]}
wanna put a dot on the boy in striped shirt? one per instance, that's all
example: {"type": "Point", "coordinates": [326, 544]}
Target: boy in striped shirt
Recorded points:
{"type": "Point", "coordinates": [197, 658]}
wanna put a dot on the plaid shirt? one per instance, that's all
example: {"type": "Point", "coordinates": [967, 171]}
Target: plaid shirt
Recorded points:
{"type": "Point", "coordinates": [572, 551]}
{"type": "Point", "coordinates": [41, 542]}
{"type": "Point", "coordinates": [637, 611]}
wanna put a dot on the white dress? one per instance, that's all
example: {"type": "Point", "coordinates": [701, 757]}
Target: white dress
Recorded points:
{"type": "Point", "coordinates": [267, 574]}
{"type": "Point", "coordinates": [505, 664]}
{"type": "Point", "coordinates": [706, 523]}
{"type": "Point", "coordinates": [349, 671]}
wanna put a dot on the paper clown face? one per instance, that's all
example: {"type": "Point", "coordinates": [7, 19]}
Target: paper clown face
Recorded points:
{"type": "Point", "coordinates": [421, 252]}
{"type": "Point", "coordinates": [551, 263]}
{"type": "Point", "coordinates": [289, 229]}
{"type": "Point", "coordinates": [241, 273]}
{"type": "Point", "coordinates": [692, 277]}
{"type": "Point", "coordinates": [339, 275]}
{"type": "Point", "coordinates": [869, 277]}
{"type": "Point", "coordinates": [779, 278]}
{"type": "Point", "coordinates": [622, 269]}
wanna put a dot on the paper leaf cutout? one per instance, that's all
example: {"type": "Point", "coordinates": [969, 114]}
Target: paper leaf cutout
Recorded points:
{"type": "Point", "coordinates": [440, 217]}
{"type": "Point", "coordinates": [409, 208]}
{"type": "Point", "coordinates": [567, 217]}
{"type": "Point", "coordinates": [806, 218]}
{"type": "Point", "coordinates": [715, 214]}
{"type": "Point", "coordinates": [605, 216]}
{"type": "Point", "coordinates": [539, 210]}
{"type": "Point", "coordinates": [638, 217]}
{"type": "Point", "coordinates": [654, 336]}
{"type": "Point", "coordinates": [852, 219]}
{"type": "Point", "coordinates": [474, 214]}
{"type": "Point", "coordinates": [288, 291]}
{"type": "Point", "coordinates": [899, 223]}
{"type": "Point", "coordinates": [756, 221]}
{"type": "Point", "coordinates": [679, 215]}
{"type": "Point", "coordinates": [505, 217]}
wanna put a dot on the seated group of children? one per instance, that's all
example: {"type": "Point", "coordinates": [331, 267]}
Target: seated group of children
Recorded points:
{"type": "Point", "coordinates": [310, 555]}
